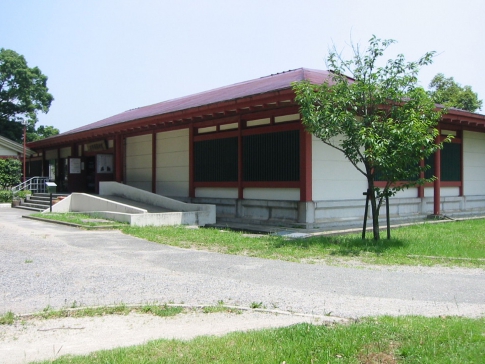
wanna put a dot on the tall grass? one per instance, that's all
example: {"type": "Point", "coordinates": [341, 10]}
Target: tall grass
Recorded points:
{"type": "Point", "coordinates": [373, 340]}
{"type": "Point", "coordinates": [458, 243]}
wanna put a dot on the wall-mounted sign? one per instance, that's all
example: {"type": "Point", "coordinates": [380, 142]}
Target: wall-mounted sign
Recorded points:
{"type": "Point", "coordinates": [74, 165]}
{"type": "Point", "coordinates": [104, 163]}
{"type": "Point", "coordinates": [52, 170]}
{"type": "Point", "coordinates": [95, 146]}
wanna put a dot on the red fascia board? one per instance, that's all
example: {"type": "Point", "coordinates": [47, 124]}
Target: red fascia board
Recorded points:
{"type": "Point", "coordinates": [463, 118]}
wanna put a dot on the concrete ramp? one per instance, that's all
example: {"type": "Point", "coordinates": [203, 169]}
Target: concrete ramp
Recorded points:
{"type": "Point", "coordinates": [137, 207]}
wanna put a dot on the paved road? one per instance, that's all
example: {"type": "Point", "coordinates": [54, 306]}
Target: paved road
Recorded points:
{"type": "Point", "coordinates": [45, 264]}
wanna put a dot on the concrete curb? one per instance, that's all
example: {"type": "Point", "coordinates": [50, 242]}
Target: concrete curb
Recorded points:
{"type": "Point", "coordinates": [86, 227]}
{"type": "Point", "coordinates": [328, 319]}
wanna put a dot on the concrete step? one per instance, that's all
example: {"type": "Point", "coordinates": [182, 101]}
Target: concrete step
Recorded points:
{"type": "Point", "coordinates": [40, 201]}
{"type": "Point", "coordinates": [40, 198]}
{"type": "Point", "coordinates": [35, 205]}
{"type": "Point", "coordinates": [22, 207]}
{"type": "Point", "coordinates": [47, 195]}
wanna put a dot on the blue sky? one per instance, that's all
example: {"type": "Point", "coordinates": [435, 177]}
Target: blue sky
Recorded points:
{"type": "Point", "coordinates": [103, 57]}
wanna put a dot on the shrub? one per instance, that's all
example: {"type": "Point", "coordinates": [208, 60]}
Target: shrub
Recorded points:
{"type": "Point", "coordinates": [10, 172]}
{"type": "Point", "coordinates": [23, 193]}
{"type": "Point", "coordinates": [6, 196]}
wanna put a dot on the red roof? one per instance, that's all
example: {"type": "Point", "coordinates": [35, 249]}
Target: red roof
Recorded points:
{"type": "Point", "coordinates": [261, 85]}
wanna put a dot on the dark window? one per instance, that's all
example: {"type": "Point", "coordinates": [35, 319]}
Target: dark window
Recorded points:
{"type": "Point", "coordinates": [35, 169]}
{"type": "Point", "coordinates": [450, 163]}
{"type": "Point", "coordinates": [215, 160]}
{"type": "Point", "coordinates": [272, 157]}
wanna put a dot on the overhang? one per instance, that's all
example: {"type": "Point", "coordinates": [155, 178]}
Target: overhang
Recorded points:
{"type": "Point", "coordinates": [14, 146]}
{"type": "Point", "coordinates": [464, 120]}
{"type": "Point", "coordinates": [271, 91]}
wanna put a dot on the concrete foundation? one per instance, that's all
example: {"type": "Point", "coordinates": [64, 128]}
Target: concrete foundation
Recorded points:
{"type": "Point", "coordinates": [335, 212]}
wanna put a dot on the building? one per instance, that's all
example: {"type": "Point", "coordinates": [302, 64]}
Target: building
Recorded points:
{"type": "Point", "coordinates": [10, 149]}
{"type": "Point", "coordinates": [243, 148]}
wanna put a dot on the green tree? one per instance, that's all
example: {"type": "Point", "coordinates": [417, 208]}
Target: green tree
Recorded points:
{"type": "Point", "coordinates": [378, 118]}
{"type": "Point", "coordinates": [10, 173]}
{"type": "Point", "coordinates": [447, 92]}
{"type": "Point", "coordinates": [23, 93]}
{"type": "Point", "coordinates": [42, 132]}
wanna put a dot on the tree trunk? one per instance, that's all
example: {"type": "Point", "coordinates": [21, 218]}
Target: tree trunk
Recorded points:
{"type": "Point", "coordinates": [375, 210]}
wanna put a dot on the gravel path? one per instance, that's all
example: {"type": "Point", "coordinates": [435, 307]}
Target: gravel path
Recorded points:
{"type": "Point", "coordinates": [51, 265]}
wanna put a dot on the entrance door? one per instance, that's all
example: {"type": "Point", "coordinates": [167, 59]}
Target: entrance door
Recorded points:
{"type": "Point", "coordinates": [62, 178]}
{"type": "Point", "coordinates": [91, 174]}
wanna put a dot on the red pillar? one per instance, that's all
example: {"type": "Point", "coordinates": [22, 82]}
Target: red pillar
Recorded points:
{"type": "Point", "coordinates": [191, 161]}
{"type": "Point", "coordinates": [25, 141]}
{"type": "Point", "coordinates": [437, 182]}
{"type": "Point", "coordinates": [119, 158]}
{"type": "Point", "coordinates": [240, 165]}
{"type": "Point", "coordinates": [154, 162]}
{"type": "Point", "coordinates": [305, 165]}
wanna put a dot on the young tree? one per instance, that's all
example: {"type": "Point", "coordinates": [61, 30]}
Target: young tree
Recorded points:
{"type": "Point", "coordinates": [447, 92]}
{"type": "Point", "coordinates": [23, 93]}
{"type": "Point", "coordinates": [378, 118]}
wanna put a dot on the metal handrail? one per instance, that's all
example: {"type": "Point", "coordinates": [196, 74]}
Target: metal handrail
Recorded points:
{"type": "Point", "coordinates": [34, 184]}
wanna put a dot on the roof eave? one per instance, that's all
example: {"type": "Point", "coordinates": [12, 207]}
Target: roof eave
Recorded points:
{"type": "Point", "coordinates": [188, 115]}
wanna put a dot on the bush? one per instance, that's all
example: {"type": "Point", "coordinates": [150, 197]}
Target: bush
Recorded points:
{"type": "Point", "coordinates": [10, 172]}
{"type": "Point", "coordinates": [23, 193]}
{"type": "Point", "coordinates": [6, 196]}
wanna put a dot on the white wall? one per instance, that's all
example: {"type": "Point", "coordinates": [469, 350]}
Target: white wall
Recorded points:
{"type": "Point", "coordinates": [216, 192]}
{"type": "Point", "coordinates": [473, 163]}
{"type": "Point", "coordinates": [173, 163]}
{"type": "Point", "coordinates": [65, 152]}
{"type": "Point", "coordinates": [410, 192]}
{"type": "Point", "coordinates": [51, 154]}
{"type": "Point", "coordinates": [333, 176]}
{"type": "Point", "coordinates": [139, 162]}
{"type": "Point", "coordinates": [275, 194]}
{"type": "Point", "coordinates": [6, 151]}
{"type": "Point", "coordinates": [444, 191]}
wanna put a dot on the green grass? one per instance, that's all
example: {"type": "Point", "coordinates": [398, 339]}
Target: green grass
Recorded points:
{"type": "Point", "coordinates": [7, 318]}
{"type": "Point", "coordinates": [157, 310]}
{"type": "Point", "coordinates": [49, 313]}
{"type": "Point", "coordinates": [77, 218]}
{"type": "Point", "coordinates": [458, 243]}
{"type": "Point", "coordinates": [220, 307]}
{"type": "Point", "coordinates": [372, 340]}
{"type": "Point", "coordinates": [165, 310]}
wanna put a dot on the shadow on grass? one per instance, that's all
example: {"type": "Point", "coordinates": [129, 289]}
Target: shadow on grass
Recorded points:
{"type": "Point", "coordinates": [344, 245]}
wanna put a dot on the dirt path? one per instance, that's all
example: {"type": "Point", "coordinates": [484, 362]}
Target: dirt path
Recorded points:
{"type": "Point", "coordinates": [37, 339]}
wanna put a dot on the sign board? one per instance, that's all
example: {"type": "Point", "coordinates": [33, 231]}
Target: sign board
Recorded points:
{"type": "Point", "coordinates": [95, 146]}
{"type": "Point", "coordinates": [74, 165]}
{"type": "Point", "coordinates": [51, 187]}
{"type": "Point", "coordinates": [104, 163]}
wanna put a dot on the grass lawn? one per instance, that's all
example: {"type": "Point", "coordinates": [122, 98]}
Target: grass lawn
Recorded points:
{"type": "Point", "coordinates": [457, 243]}
{"type": "Point", "coordinates": [372, 340]}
